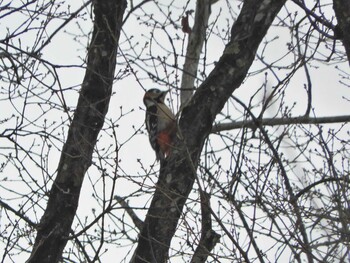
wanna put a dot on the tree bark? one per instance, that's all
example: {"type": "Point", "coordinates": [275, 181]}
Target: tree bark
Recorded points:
{"type": "Point", "coordinates": [194, 48]}
{"type": "Point", "coordinates": [55, 225]}
{"type": "Point", "coordinates": [178, 172]}
{"type": "Point", "coordinates": [342, 12]}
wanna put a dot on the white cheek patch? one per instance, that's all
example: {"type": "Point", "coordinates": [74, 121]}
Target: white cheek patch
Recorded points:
{"type": "Point", "coordinates": [149, 102]}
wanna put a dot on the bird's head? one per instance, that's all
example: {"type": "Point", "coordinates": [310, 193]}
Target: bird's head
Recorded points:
{"type": "Point", "coordinates": [154, 96]}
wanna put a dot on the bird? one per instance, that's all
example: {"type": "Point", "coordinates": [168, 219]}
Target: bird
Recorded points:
{"type": "Point", "coordinates": [160, 123]}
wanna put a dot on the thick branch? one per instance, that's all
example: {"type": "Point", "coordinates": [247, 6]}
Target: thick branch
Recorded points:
{"type": "Point", "coordinates": [55, 225]}
{"type": "Point", "coordinates": [178, 172]}
{"type": "Point", "coordinates": [279, 121]}
{"type": "Point", "coordinates": [342, 12]}
{"type": "Point", "coordinates": [194, 48]}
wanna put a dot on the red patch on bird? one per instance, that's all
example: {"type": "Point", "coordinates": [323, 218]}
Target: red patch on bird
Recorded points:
{"type": "Point", "coordinates": [164, 141]}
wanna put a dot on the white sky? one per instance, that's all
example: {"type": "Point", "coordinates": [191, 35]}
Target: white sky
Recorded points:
{"type": "Point", "coordinates": [327, 95]}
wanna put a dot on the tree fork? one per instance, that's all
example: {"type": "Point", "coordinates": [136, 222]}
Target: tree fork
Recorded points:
{"type": "Point", "coordinates": [178, 172]}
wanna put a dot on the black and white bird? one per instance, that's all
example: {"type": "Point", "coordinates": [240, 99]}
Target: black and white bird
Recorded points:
{"type": "Point", "coordinates": [160, 123]}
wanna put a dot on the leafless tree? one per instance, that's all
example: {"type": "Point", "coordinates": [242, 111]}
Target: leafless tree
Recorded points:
{"type": "Point", "coordinates": [259, 170]}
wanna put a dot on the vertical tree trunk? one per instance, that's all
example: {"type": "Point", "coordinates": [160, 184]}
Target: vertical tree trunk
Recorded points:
{"type": "Point", "coordinates": [55, 225]}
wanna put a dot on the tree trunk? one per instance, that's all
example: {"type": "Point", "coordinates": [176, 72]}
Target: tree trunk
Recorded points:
{"type": "Point", "coordinates": [342, 12]}
{"type": "Point", "coordinates": [55, 225]}
{"type": "Point", "coordinates": [178, 172]}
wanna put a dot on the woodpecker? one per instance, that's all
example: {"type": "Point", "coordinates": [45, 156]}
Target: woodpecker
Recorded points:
{"type": "Point", "coordinates": [160, 123]}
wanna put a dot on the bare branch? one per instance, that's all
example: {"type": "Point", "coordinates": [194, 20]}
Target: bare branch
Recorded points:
{"type": "Point", "coordinates": [18, 213]}
{"type": "Point", "coordinates": [137, 221]}
{"type": "Point", "coordinates": [194, 48]}
{"type": "Point", "coordinates": [209, 237]}
{"type": "Point", "coordinates": [312, 14]}
{"type": "Point", "coordinates": [58, 29]}
{"type": "Point", "coordinates": [279, 121]}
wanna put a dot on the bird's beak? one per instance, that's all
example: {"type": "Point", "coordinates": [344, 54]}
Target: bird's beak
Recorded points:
{"type": "Point", "coordinates": [164, 93]}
